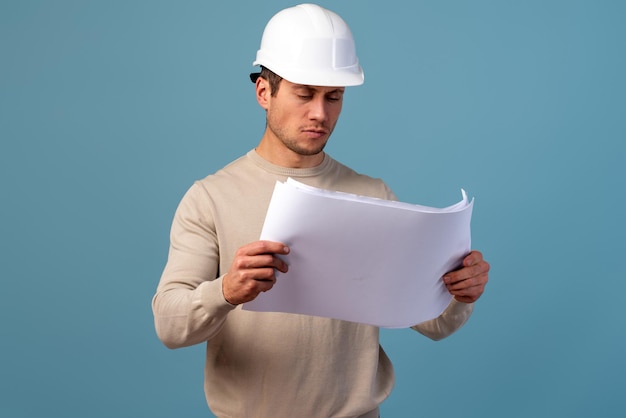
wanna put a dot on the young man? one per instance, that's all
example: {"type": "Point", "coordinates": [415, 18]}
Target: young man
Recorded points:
{"type": "Point", "coordinates": [274, 364]}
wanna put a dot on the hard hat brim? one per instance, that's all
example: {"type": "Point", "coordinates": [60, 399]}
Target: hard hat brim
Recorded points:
{"type": "Point", "coordinates": [344, 79]}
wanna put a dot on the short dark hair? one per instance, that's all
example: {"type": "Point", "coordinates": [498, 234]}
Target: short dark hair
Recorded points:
{"type": "Point", "coordinates": [272, 78]}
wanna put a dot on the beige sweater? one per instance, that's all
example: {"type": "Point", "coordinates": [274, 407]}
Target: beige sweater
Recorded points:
{"type": "Point", "coordinates": [269, 364]}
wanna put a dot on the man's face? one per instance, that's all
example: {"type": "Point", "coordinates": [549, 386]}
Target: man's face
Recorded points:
{"type": "Point", "coordinates": [301, 118]}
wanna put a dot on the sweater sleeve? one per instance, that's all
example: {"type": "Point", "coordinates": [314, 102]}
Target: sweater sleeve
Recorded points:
{"type": "Point", "coordinates": [189, 306]}
{"type": "Point", "coordinates": [452, 318]}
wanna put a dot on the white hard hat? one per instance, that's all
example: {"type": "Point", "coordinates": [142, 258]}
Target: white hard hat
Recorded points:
{"type": "Point", "coordinates": [307, 44]}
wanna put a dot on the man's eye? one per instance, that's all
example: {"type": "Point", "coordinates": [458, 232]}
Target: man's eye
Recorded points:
{"type": "Point", "coordinates": [303, 97]}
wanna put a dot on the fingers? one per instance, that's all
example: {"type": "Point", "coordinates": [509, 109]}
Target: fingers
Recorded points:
{"type": "Point", "coordinates": [474, 257]}
{"type": "Point", "coordinates": [473, 266]}
{"type": "Point", "coordinates": [253, 271]}
{"type": "Point", "coordinates": [241, 289]}
{"type": "Point", "coordinates": [468, 283]}
{"type": "Point", "coordinates": [263, 247]}
{"type": "Point", "coordinates": [255, 266]}
{"type": "Point", "coordinates": [469, 290]}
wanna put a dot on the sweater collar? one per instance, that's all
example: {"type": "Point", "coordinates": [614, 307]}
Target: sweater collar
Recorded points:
{"type": "Point", "coordinates": [290, 172]}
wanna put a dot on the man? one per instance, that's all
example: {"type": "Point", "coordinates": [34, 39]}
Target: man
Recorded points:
{"type": "Point", "coordinates": [275, 364]}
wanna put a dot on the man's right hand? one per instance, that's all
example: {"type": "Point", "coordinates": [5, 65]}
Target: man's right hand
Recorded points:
{"type": "Point", "coordinates": [252, 271]}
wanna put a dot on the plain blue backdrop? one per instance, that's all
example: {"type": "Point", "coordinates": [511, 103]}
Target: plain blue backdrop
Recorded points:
{"type": "Point", "coordinates": [109, 110]}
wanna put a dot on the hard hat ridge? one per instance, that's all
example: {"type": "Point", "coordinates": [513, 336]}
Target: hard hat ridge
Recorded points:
{"type": "Point", "coordinates": [307, 44]}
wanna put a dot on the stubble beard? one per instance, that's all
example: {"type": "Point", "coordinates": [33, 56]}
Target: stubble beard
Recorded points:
{"type": "Point", "coordinates": [293, 145]}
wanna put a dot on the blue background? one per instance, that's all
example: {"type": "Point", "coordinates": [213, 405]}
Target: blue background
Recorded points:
{"type": "Point", "coordinates": [110, 109]}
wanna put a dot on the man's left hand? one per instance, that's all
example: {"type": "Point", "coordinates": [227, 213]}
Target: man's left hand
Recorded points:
{"type": "Point", "coordinates": [468, 283]}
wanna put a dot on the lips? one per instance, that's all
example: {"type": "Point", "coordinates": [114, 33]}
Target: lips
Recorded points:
{"type": "Point", "coordinates": [315, 132]}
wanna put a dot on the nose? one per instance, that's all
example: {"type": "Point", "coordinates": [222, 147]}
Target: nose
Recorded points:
{"type": "Point", "coordinates": [317, 109]}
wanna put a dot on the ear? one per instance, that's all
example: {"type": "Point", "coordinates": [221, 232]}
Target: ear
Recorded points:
{"type": "Point", "coordinates": [263, 95]}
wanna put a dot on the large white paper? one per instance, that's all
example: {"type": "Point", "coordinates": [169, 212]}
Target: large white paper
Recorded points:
{"type": "Point", "coordinates": [362, 259]}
